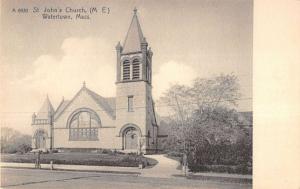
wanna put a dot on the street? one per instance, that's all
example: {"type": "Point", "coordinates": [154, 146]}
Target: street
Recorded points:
{"type": "Point", "coordinates": [30, 178]}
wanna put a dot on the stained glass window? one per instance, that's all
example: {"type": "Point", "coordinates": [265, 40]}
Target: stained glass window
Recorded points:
{"type": "Point", "coordinates": [84, 126]}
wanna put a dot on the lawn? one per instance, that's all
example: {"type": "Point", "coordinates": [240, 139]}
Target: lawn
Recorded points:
{"type": "Point", "coordinates": [79, 158]}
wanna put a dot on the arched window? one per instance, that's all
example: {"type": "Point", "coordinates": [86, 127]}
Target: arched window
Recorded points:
{"type": "Point", "coordinates": [126, 70]}
{"type": "Point", "coordinates": [136, 69]}
{"type": "Point", "coordinates": [84, 126]}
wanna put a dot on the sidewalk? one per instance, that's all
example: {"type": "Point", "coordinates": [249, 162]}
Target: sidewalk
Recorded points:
{"type": "Point", "coordinates": [103, 169]}
{"type": "Point", "coordinates": [166, 167]}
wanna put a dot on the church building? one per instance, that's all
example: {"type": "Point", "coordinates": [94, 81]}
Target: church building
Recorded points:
{"type": "Point", "coordinates": [126, 122]}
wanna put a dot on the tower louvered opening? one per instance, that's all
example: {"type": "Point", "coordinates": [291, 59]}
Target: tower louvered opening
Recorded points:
{"type": "Point", "coordinates": [136, 69]}
{"type": "Point", "coordinates": [126, 70]}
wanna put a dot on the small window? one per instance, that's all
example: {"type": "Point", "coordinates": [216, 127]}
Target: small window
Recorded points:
{"type": "Point", "coordinates": [148, 137]}
{"type": "Point", "coordinates": [130, 104]}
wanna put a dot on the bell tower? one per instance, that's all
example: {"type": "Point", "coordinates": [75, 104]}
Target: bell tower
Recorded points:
{"type": "Point", "coordinates": [134, 104]}
{"type": "Point", "coordinates": [134, 58]}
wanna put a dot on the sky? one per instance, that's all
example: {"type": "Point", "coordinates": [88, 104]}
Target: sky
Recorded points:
{"type": "Point", "coordinates": [189, 39]}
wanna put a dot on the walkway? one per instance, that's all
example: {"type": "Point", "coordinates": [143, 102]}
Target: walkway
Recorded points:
{"type": "Point", "coordinates": [166, 167]}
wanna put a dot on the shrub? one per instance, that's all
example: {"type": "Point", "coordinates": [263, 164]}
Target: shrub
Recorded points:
{"type": "Point", "coordinates": [199, 168]}
{"type": "Point", "coordinates": [54, 151]}
{"type": "Point", "coordinates": [106, 151]}
{"type": "Point", "coordinates": [236, 169]}
{"type": "Point", "coordinates": [132, 153]}
{"type": "Point", "coordinates": [175, 154]}
{"type": "Point", "coordinates": [243, 169]}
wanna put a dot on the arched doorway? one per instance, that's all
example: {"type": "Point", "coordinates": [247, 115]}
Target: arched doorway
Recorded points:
{"type": "Point", "coordinates": [130, 138]}
{"type": "Point", "coordinates": [40, 139]}
{"type": "Point", "coordinates": [131, 134]}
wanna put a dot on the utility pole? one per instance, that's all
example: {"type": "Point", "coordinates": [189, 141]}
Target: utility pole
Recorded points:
{"type": "Point", "coordinates": [184, 132]}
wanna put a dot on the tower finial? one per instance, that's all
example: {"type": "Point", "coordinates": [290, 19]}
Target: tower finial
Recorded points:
{"type": "Point", "coordinates": [83, 84]}
{"type": "Point", "coordinates": [118, 47]}
{"type": "Point", "coordinates": [134, 10]}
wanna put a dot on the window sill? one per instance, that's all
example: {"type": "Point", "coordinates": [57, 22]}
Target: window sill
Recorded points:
{"type": "Point", "coordinates": [83, 139]}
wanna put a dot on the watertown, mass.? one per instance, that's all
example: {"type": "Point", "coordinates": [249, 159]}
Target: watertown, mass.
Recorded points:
{"type": "Point", "coordinates": [81, 13]}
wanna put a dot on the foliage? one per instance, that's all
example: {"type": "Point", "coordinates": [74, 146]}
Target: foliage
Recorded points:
{"type": "Point", "coordinates": [205, 125]}
{"type": "Point", "coordinates": [13, 141]}
{"type": "Point", "coordinates": [81, 158]}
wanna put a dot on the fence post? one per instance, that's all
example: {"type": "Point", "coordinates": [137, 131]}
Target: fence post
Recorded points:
{"type": "Point", "coordinates": [184, 163]}
{"type": "Point", "coordinates": [51, 165]}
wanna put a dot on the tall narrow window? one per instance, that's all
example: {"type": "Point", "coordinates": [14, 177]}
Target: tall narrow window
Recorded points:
{"type": "Point", "coordinates": [126, 70]}
{"type": "Point", "coordinates": [130, 104]}
{"type": "Point", "coordinates": [136, 69]}
{"type": "Point", "coordinates": [148, 141]}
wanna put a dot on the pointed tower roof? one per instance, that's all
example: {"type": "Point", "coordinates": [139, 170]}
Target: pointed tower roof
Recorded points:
{"type": "Point", "coordinates": [134, 35]}
{"type": "Point", "coordinates": [45, 109]}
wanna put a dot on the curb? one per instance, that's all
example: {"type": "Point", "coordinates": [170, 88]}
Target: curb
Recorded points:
{"type": "Point", "coordinates": [77, 170]}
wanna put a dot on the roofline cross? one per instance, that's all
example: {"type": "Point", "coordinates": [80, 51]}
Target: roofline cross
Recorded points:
{"type": "Point", "coordinates": [135, 10]}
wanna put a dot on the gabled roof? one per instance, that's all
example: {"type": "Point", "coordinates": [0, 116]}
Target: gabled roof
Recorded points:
{"type": "Point", "coordinates": [105, 103]}
{"type": "Point", "coordinates": [111, 101]}
{"type": "Point", "coordinates": [45, 110]}
{"type": "Point", "coordinates": [61, 107]}
{"type": "Point", "coordinates": [134, 36]}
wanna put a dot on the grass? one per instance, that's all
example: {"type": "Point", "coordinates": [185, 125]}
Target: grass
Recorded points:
{"type": "Point", "coordinates": [79, 158]}
{"type": "Point", "coordinates": [230, 169]}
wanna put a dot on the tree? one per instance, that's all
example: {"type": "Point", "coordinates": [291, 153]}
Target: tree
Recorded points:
{"type": "Point", "coordinates": [13, 141]}
{"type": "Point", "coordinates": [199, 104]}
{"type": "Point", "coordinates": [204, 119]}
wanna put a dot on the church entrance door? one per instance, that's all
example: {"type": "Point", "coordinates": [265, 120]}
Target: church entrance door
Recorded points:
{"type": "Point", "coordinates": [40, 139]}
{"type": "Point", "coordinates": [131, 139]}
